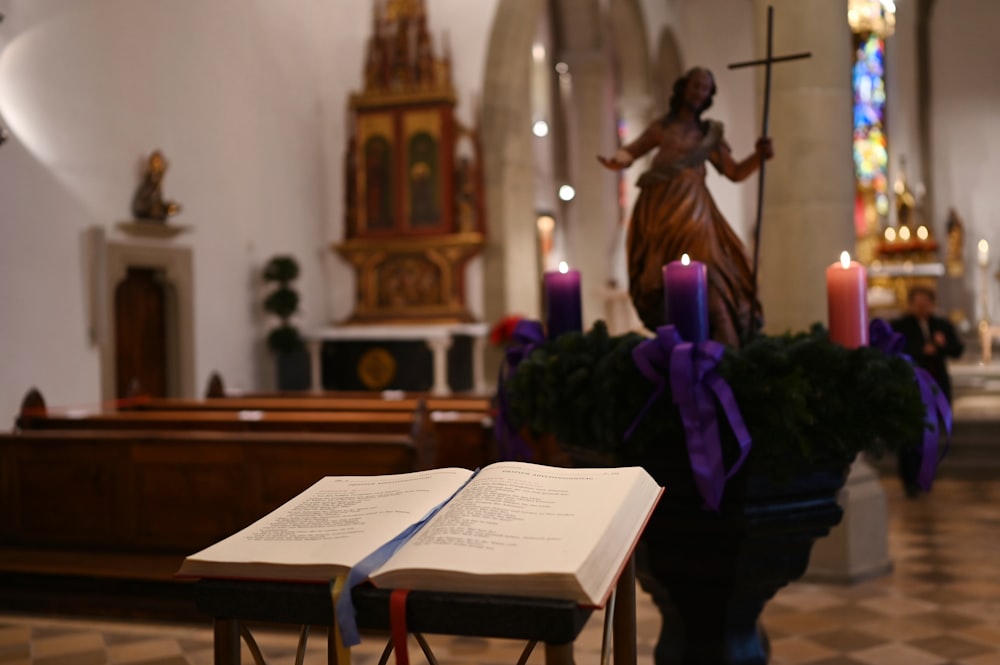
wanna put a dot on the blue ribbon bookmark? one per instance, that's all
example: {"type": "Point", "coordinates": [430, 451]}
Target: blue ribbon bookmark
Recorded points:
{"type": "Point", "coordinates": [345, 615]}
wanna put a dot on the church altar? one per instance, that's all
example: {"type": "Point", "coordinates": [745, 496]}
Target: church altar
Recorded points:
{"type": "Point", "coordinates": [888, 284]}
{"type": "Point", "coordinates": [379, 355]}
{"type": "Point", "coordinates": [414, 217]}
{"type": "Point", "coordinates": [414, 206]}
{"type": "Point", "coordinates": [974, 376]}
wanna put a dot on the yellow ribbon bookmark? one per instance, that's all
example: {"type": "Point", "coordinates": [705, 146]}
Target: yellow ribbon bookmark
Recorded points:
{"type": "Point", "coordinates": [341, 652]}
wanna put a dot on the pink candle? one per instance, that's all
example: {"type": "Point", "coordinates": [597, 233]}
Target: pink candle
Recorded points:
{"type": "Point", "coordinates": [847, 302]}
{"type": "Point", "coordinates": [685, 298]}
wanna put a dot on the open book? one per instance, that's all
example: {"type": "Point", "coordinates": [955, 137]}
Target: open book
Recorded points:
{"type": "Point", "coordinates": [513, 529]}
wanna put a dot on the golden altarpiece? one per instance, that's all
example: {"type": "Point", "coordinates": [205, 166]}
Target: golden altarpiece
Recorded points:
{"type": "Point", "coordinates": [414, 203]}
{"type": "Point", "coordinates": [413, 219]}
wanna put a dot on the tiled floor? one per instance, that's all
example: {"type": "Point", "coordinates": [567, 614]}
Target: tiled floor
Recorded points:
{"type": "Point", "coordinates": [940, 605]}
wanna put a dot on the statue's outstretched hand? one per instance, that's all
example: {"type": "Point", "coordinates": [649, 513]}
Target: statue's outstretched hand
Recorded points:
{"type": "Point", "coordinates": [609, 163]}
{"type": "Point", "coordinates": [765, 149]}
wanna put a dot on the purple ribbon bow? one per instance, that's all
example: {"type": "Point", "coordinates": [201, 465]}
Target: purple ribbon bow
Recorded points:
{"type": "Point", "coordinates": [691, 370]}
{"type": "Point", "coordinates": [526, 336]}
{"type": "Point", "coordinates": [882, 336]}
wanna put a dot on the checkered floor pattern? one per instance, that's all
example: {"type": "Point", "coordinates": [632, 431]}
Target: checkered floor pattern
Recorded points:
{"type": "Point", "coordinates": [940, 605]}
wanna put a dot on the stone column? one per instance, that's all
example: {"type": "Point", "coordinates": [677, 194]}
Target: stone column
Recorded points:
{"type": "Point", "coordinates": [479, 383]}
{"type": "Point", "coordinates": [858, 547]}
{"type": "Point", "coordinates": [510, 274]}
{"type": "Point", "coordinates": [439, 345]}
{"type": "Point", "coordinates": [808, 222]}
{"type": "Point", "coordinates": [809, 190]}
{"type": "Point", "coordinates": [315, 347]}
{"type": "Point", "coordinates": [591, 217]}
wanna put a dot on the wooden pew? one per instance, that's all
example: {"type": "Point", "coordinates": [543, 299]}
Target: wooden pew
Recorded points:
{"type": "Point", "coordinates": [98, 521]}
{"type": "Point", "coordinates": [168, 490]}
{"type": "Point", "coordinates": [215, 389]}
{"type": "Point", "coordinates": [99, 508]}
{"type": "Point", "coordinates": [460, 442]}
{"type": "Point", "coordinates": [449, 438]}
{"type": "Point", "coordinates": [316, 402]}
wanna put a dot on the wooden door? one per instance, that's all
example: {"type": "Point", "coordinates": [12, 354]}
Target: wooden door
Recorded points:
{"type": "Point", "coordinates": [141, 334]}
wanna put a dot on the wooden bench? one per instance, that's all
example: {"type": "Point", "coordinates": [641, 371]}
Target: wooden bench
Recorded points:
{"type": "Point", "coordinates": [215, 388]}
{"type": "Point", "coordinates": [160, 490]}
{"type": "Point", "coordinates": [317, 402]}
{"type": "Point", "coordinates": [100, 520]}
{"type": "Point", "coordinates": [443, 438]}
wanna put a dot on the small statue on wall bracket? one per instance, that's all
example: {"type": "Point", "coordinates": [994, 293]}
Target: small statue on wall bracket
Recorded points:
{"type": "Point", "coordinates": [148, 203]}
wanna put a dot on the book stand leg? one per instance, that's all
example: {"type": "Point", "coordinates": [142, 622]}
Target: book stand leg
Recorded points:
{"type": "Point", "coordinates": [559, 654]}
{"type": "Point", "coordinates": [227, 641]}
{"type": "Point", "coordinates": [554, 623]}
{"type": "Point", "coordinates": [526, 652]}
{"type": "Point", "coordinates": [624, 617]}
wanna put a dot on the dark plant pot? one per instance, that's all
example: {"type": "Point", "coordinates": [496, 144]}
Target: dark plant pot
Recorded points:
{"type": "Point", "coordinates": [292, 370]}
{"type": "Point", "coordinates": [710, 574]}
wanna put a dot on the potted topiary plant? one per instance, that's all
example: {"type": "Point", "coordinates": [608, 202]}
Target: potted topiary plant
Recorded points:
{"type": "Point", "coordinates": [285, 341]}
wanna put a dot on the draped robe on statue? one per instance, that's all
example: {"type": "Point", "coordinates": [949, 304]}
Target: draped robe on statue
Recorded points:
{"type": "Point", "coordinates": [674, 215]}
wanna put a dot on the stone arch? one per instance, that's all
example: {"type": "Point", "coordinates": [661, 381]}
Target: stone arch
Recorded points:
{"type": "Point", "coordinates": [510, 277]}
{"type": "Point", "coordinates": [636, 107]}
{"type": "Point", "coordinates": [668, 67]}
{"type": "Point", "coordinates": [631, 51]}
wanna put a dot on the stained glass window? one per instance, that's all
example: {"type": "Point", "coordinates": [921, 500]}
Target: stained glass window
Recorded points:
{"type": "Point", "coordinates": [870, 154]}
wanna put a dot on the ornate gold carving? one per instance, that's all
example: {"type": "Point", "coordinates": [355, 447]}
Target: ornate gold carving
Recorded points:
{"type": "Point", "coordinates": [409, 280]}
{"type": "Point", "coordinates": [398, 9]}
{"type": "Point", "coordinates": [376, 368]}
{"type": "Point", "coordinates": [401, 54]}
{"type": "Point", "coordinates": [414, 190]}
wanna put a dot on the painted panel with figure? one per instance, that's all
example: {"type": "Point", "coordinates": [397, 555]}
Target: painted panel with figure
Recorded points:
{"type": "Point", "coordinates": [413, 219]}
{"type": "Point", "coordinates": [376, 181]}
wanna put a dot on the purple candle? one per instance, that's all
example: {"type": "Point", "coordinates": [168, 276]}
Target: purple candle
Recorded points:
{"type": "Point", "coordinates": [685, 298]}
{"type": "Point", "coordinates": [563, 310]}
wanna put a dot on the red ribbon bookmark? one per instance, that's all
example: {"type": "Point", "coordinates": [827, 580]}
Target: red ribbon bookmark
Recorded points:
{"type": "Point", "coordinates": [397, 625]}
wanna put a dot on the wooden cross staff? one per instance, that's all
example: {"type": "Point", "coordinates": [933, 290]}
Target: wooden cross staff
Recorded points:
{"type": "Point", "coordinates": [767, 62]}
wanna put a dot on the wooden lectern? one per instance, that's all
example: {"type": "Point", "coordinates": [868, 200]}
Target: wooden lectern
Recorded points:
{"type": "Point", "coordinates": [556, 623]}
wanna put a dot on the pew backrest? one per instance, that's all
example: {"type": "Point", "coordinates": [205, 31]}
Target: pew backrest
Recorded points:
{"type": "Point", "coordinates": [313, 403]}
{"type": "Point", "coordinates": [441, 438]}
{"type": "Point", "coordinates": [168, 490]}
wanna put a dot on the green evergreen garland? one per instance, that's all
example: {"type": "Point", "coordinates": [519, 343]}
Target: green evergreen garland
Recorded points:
{"type": "Point", "coordinates": [805, 400]}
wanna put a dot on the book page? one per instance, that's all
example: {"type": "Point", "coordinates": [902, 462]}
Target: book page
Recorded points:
{"type": "Point", "coordinates": [516, 519]}
{"type": "Point", "coordinates": [329, 527]}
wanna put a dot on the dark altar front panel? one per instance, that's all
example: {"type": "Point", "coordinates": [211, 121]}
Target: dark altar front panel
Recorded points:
{"type": "Point", "coordinates": [393, 365]}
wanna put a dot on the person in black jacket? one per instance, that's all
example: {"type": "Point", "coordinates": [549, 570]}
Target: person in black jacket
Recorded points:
{"type": "Point", "coordinates": [930, 341]}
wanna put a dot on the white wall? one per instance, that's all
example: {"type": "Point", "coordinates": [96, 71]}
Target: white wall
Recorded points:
{"type": "Point", "coordinates": [714, 34]}
{"type": "Point", "coordinates": [247, 99]}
